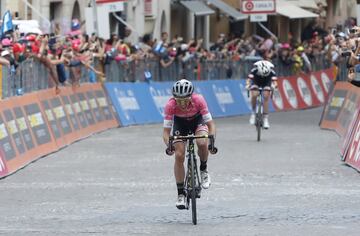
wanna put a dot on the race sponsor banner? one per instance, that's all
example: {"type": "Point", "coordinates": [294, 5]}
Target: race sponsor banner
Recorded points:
{"type": "Point", "coordinates": [316, 90]}
{"type": "Point", "coordinates": [288, 94]}
{"type": "Point", "coordinates": [346, 139]}
{"type": "Point", "coordinates": [133, 103]}
{"type": "Point", "coordinates": [6, 143]}
{"type": "Point", "coordinates": [14, 131]}
{"type": "Point", "coordinates": [326, 77]}
{"type": "Point", "coordinates": [52, 120]}
{"type": "Point", "coordinates": [160, 93]}
{"type": "Point", "coordinates": [3, 167]}
{"type": "Point", "coordinates": [353, 152]}
{"type": "Point", "coordinates": [349, 110]}
{"type": "Point", "coordinates": [11, 141]}
{"type": "Point", "coordinates": [99, 117]}
{"type": "Point", "coordinates": [32, 127]}
{"type": "Point", "coordinates": [94, 111]}
{"type": "Point", "coordinates": [105, 108]}
{"type": "Point", "coordinates": [37, 124]}
{"type": "Point", "coordinates": [78, 111]}
{"type": "Point", "coordinates": [70, 113]}
{"type": "Point", "coordinates": [85, 108]}
{"type": "Point", "coordinates": [56, 117]}
{"type": "Point", "coordinates": [75, 115]}
{"type": "Point", "coordinates": [343, 104]}
{"type": "Point", "coordinates": [24, 129]}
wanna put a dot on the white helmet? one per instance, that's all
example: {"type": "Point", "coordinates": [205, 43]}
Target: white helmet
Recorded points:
{"type": "Point", "coordinates": [264, 67]}
{"type": "Point", "coordinates": [182, 88]}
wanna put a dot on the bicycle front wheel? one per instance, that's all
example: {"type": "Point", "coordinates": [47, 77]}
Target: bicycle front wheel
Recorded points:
{"type": "Point", "coordinates": [193, 191]}
{"type": "Point", "coordinates": [258, 123]}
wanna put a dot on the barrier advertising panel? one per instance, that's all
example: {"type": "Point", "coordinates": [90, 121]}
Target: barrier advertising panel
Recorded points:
{"type": "Point", "coordinates": [342, 106]}
{"type": "Point", "coordinates": [133, 103]}
{"type": "Point", "coordinates": [353, 152]}
{"type": "Point", "coordinates": [24, 128]}
{"type": "Point", "coordinates": [37, 124]}
{"type": "Point", "coordinates": [3, 167]}
{"type": "Point", "coordinates": [14, 131]}
{"type": "Point", "coordinates": [346, 139]}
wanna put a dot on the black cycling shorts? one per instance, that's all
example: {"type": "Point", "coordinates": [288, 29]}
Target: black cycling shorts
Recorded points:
{"type": "Point", "coordinates": [184, 126]}
{"type": "Point", "coordinates": [262, 82]}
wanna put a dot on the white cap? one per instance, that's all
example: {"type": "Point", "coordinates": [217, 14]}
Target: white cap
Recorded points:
{"type": "Point", "coordinates": [183, 47]}
{"type": "Point", "coordinates": [4, 53]}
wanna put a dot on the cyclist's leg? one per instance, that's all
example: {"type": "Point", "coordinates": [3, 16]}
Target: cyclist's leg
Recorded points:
{"type": "Point", "coordinates": [203, 153]}
{"type": "Point", "coordinates": [202, 144]}
{"type": "Point", "coordinates": [254, 92]}
{"type": "Point", "coordinates": [179, 128]}
{"type": "Point", "coordinates": [179, 170]}
{"type": "Point", "coordinates": [266, 94]}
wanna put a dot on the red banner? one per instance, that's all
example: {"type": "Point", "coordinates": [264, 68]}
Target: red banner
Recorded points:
{"type": "Point", "coordinates": [302, 91]}
{"type": "Point", "coordinates": [353, 152]}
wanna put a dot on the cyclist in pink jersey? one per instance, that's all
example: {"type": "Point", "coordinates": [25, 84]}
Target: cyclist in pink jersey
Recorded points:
{"type": "Point", "coordinates": [186, 113]}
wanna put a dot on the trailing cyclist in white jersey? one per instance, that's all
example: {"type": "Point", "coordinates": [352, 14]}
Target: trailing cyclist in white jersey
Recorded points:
{"type": "Point", "coordinates": [262, 76]}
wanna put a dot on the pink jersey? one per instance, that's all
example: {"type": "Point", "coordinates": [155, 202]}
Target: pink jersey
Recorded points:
{"type": "Point", "coordinates": [196, 105]}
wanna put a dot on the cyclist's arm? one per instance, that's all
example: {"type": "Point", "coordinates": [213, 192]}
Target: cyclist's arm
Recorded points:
{"type": "Point", "coordinates": [212, 128]}
{"type": "Point", "coordinates": [274, 82]}
{"type": "Point", "coordinates": [166, 135]}
{"type": "Point", "coordinates": [168, 120]}
{"type": "Point", "coordinates": [250, 77]}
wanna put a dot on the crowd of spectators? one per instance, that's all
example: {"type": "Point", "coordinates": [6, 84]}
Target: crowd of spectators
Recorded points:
{"type": "Point", "coordinates": [62, 53]}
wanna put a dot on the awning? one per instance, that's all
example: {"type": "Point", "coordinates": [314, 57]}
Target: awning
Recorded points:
{"type": "Point", "coordinates": [197, 7]}
{"type": "Point", "coordinates": [228, 10]}
{"type": "Point", "coordinates": [292, 11]}
{"type": "Point", "coordinates": [311, 4]}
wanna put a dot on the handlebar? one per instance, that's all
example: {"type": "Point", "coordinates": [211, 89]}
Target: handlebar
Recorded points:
{"type": "Point", "coordinates": [170, 149]}
{"type": "Point", "coordinates": [262, 89]}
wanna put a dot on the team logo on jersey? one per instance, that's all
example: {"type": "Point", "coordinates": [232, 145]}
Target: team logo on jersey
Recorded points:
{"type": "Point", "coordinates": [304, 91]}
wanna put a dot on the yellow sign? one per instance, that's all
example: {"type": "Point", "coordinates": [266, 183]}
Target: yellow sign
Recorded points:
{"type": "Point", "coordinates": [3, 132]}
{"type": "Point", "coordinates": [12, 127]}
{"type": "Point", "coordinates": [102, 102]}
{"type": "Point", "coordinates": [49, 115]}
{"type": "Point", "coordinates": [93, 103]}
{"type": "Point", "coordinates": [22, 123]}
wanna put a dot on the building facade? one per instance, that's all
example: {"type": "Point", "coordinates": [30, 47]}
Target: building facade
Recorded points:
{"type": "Point", "coordinates": [186, 18]}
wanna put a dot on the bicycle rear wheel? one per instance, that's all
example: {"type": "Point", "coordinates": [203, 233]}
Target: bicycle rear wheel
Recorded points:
{"type": "Point", "coordinates": [193, 191]}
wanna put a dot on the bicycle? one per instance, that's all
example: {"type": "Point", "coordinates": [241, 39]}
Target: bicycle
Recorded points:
{"type": "Point", "coordinates": [192, 186]}
{"type": "Point", "coordinates": [259, 115]}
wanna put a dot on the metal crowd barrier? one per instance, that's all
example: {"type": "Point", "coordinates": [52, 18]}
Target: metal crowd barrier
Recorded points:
{"type": "Point", "coordinates": [31, 75]}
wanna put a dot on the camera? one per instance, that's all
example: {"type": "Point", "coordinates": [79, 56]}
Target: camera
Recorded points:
{"type": "Point", "coordinates": [346, 53]}
{"type": "Point", "coordinates": [352, 31]}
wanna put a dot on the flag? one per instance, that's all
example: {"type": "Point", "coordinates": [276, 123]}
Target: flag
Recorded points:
{"type": "Point", "coordinates": [7, 24]}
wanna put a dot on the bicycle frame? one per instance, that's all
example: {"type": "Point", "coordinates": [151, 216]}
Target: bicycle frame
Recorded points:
{"type": "Point", "coordinates": [192, 186]}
